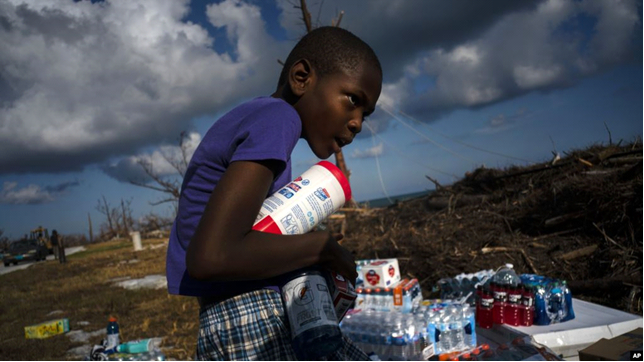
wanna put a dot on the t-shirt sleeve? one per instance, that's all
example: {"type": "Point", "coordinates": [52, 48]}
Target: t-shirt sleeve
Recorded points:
{"type": "Point", "coordinates": [269, 133]}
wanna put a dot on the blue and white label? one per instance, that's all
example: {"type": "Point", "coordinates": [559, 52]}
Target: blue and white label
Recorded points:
{"type": "Point", "coordinates": [297, 209]}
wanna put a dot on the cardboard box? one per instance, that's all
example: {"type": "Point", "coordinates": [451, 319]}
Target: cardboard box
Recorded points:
{"type": "Point", "coordinates": [360, 264]}
{"type": "Point", "coordinates": [342, 293]}
{"type": "Point", "coordinates": [381, 273]}
{"type": "Point", "coordinates": [47, 329]}
{"type": "Point", "coordinates": [614, 349]}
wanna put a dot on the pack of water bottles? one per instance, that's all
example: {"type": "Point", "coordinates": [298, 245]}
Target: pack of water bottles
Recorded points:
{"type": "Point", "coordinates": [522, 301]}
{"type": "Point", "coordinates": [392, 336]}
{"type": "Point", "coordinates": [450, 325]}
{"type": "Point", "coordinates": [463, 285]}
{"type": "Point", "coordinates": [431, 328]}
{"type": "Point", "coordinates": [403, 296]}
{"type": "Point", "coordinates": [552, 299]}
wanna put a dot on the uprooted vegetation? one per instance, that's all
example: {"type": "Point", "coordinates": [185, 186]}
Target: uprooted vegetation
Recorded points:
{"type": "Point", "coordinates": [578, 219]}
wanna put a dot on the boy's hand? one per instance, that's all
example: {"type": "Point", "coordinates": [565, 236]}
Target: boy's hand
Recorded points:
{"type": "Point", "coordinates": [338, 259]}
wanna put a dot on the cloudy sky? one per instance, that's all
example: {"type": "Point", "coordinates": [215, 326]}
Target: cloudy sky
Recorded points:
{"type": "Point", "coordinates": [89, 89]}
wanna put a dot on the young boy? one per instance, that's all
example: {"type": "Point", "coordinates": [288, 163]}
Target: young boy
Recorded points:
{"type": "Point", "coordinates": [331, 80]}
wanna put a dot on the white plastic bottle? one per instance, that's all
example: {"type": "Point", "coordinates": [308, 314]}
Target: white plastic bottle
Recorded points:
{"type": "Point", "coordinates": [506, 275]}
{"type": "Point", "coordinates": [303, 203]}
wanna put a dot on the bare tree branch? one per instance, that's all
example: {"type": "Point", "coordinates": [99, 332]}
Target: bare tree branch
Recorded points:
{"type": "Point", "coordinates": [610, 137]}
{"type": "Point", "coordinates": [306, 16]}
{"type": "Point", "coordinates": [104, 208]}
{"type": "Point", "coordinates": [337, 24]}
{"type": "Point", "coordinates": [169, 187]}
{"type": "Point", "coordinates": [170, 199]}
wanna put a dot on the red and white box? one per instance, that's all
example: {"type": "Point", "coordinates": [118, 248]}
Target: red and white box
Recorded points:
{"type": "Point", "coordinates": [381, 273]}
{"type": "Point", "coordinates": [342, 293]}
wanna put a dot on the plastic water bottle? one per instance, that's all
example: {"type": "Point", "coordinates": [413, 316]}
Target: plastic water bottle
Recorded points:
{"type": "Point", "coordinates": [434, 329]}
{"type": "Point", "coordinates": [140, 345]}
{"type": "Point", "coordinates": [113, 339]}
{"type": "Point", "coordinates": [556, 307]}
{"type": "Point", "coordinates": [378, 299]}
{"type": "Point", "coordinates": [368, 299]}
{"type": "Point", "coordinates": [451, 330]}
{"type": "Point", "coordinates": [447, 291]}
{"type": "Point", "coordinates": [540, 306]}
{"type": "Point", "coordinates": [570, 313]}
{"type": "Point", "coordinates": [469, 327]}
{"type": "Point", "coordinates": [506, 276]}
{"type": "Point", "coordinates": [388, 300]}
{"type": "Point", "coordinates": [456, 328]}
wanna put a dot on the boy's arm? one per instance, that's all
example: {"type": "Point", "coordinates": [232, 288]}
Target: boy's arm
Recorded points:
{"type": "Point", "coordinates": [225, 248]}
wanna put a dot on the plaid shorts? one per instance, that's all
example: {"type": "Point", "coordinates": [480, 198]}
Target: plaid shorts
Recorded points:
{"type": "Point", "coordinates": [252, 326]}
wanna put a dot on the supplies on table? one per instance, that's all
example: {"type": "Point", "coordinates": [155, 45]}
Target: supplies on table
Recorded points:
{"type": "Point", "coordinates": [450, 326]}
{"type": "Point", "coordinates": [432, 328]}
{"type": "Point", "coordinates": [520, 349]}
{"type": "Point", "coordinates": [389, 335]}
{"type": "Point", "coordinates": [504, 300]}
{"type": "Point", "coordinates": [552, 299]}
{"type": "Point", "coordinates": [403, 296]}
{"type": "Point", "coordinates": [463, 285]}
{"type": "Point", "coordinates": [522, 301]}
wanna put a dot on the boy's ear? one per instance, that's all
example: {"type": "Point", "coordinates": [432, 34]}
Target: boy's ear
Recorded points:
{"type": "Point", "coordinates": [300, 77]}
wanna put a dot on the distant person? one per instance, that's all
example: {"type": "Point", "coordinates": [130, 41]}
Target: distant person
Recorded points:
{"type": "Point", "coordinates": [41, 240]}
{"type": "Point", "coordinates": [331, 80]}
{"type": "Point", "coordinates": [54, 243]}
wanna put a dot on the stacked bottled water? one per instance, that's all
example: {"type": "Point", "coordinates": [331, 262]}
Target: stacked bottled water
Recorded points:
{"type": "Point", "coordinates": [390, 335]}
{"type": "Point", "coordinates": [463, 285]}
{"type": "Point", "coordinates": [552, 299]}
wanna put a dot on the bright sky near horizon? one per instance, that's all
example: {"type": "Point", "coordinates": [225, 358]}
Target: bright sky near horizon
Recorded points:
{"type": "Point", "coordinates": [88, 88]}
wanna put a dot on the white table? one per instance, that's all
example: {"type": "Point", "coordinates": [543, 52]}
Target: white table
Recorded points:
{"type": "Point", "coordinates": [592, 322]}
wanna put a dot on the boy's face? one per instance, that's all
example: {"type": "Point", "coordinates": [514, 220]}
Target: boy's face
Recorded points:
{"type": "Point", "coordinates": [333, 108]}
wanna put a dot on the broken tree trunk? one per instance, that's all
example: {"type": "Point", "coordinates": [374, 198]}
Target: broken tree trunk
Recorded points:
{"type": "Point", "coordinates": [579, 253]}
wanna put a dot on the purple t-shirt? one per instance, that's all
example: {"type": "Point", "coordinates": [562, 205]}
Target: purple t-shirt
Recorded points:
{"type": "Point", "coordinates": [264, 128]}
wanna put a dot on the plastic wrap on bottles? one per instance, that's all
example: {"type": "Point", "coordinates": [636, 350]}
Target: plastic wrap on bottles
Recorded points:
{"type": "Point", "coordinates": [464, 285]}
{"type": "Point", "coordinates": [390, 335]}
{"type": "Point", "coordinates": [552, 299]}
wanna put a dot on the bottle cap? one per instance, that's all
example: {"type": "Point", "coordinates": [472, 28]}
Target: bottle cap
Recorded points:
{"type": "Point", "coordinates": [112, 319]}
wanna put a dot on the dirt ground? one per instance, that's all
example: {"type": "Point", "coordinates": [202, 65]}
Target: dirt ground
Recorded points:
{"type": "Point", "coordinates": [579, 219]}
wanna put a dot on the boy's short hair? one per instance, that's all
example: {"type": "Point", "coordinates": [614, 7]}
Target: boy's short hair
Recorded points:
{"type": "Point", "coordinates": [330, 49]}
